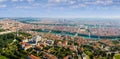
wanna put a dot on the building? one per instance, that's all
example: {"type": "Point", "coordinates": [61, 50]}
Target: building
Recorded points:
{"type": "Point", "coordinates": [34, 41]}
{"type": "Point", "coordinates": [25, 45]}
{"type": "Point", "coordinates": [49, 42]}
{"type": "Point", "coordinates": [33, 57]}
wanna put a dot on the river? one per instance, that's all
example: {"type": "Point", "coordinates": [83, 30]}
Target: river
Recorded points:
{"type": "Point", "coordinates": [80, 35]}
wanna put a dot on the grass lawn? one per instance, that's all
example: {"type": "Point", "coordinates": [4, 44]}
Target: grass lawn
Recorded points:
{"type": "Point", "coordinates": [3, 57]}
{"type": "Point", "coordinates": [117, 56]}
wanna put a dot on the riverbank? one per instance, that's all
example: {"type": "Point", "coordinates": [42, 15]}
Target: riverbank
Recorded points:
{"type": "Point", "coordinates": [78, 34]}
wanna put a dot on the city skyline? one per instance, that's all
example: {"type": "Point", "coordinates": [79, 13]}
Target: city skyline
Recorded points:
{"type": "Point", "coordinates": [60, 8]}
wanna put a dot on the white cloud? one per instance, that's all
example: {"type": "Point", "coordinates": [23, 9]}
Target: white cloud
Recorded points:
{"type": "Point", "coordinates": [24, 7]}
{"type": "Point", "coordinates": [104, 2]}
{"type": "Point", "coordinates": [63, 3]}
{"type": "Point", "coordinates": [78, 6]}
{"type": "Point", "coordinates": [17, 0]}
{"type": "Point", "coordinates": [99, 2]}
{"type": "Point", "coordinates": [39, 5]}
{"type": "Point", "coordinates": [14, 0]}
{"type": "Point", "coordinates": [22, 0]}
{"type": "Point", "coordinates": [72, 2]}
{"type": "Point", "coordinates": [30, 1]}
{"type": "Point", "coordinates": [3, 0]}
{"type": "Point", "coordinates": [57, 1]}
{"type": "Point", "coordinates": [3, 6]}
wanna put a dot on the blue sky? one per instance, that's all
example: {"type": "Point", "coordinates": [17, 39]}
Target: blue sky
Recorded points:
{"type": "Point", "coordinates": [60, 8]}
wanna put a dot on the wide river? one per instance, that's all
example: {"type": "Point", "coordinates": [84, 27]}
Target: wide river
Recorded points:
{"type": "Point", "coordinates": [81, 35]}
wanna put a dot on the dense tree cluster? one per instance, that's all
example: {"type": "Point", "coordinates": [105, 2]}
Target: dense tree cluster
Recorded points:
{"type": "Point", "coordinates": [11, 49]}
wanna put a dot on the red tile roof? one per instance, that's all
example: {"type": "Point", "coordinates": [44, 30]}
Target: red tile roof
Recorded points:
{"type": "Point", "coordinates": [34, 57]}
